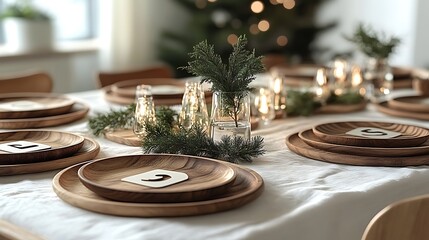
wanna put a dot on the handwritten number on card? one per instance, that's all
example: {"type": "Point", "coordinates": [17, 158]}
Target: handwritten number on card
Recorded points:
{"type": "Point", "coordinates": [370, 132]}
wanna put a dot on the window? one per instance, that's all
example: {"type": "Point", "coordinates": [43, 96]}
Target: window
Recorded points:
{"type": "Point", "coordinates": [73, 19]}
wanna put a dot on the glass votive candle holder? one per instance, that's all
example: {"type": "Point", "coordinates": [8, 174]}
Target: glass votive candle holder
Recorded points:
{"type": "Point", "coordinates": [194, 109]}
{"type": "Point", "coordinates": [322, 89]}
{"type": "Point", "coordinates": [278, 88]}
{"type": "Point", "coordinates": [143, 90]}
{"type": "Point", "coordinates": [145, 111]}
{"type": "Point", "coordinates": [264, 104]}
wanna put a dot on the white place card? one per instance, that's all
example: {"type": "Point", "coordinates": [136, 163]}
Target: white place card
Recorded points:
{"type": "Point", "coordinates": [157, 178]}
{"type": "Point", "coordinates": [23, 147]}
{"type": "Point", "coordinates": [22, 105]}
{"type": "Point", "coordinates": [372, 132]}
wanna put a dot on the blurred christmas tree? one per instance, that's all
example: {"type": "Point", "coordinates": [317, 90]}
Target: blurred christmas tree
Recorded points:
{"type": "Point", "coordinates": [282, 27]}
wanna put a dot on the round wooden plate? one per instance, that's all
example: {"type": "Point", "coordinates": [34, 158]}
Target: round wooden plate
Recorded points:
{"type": "Point", "coordinates": [161, 88]}
{"type": "Point", "coordinates": [89, 150]}
{"type": "Point", "coordinates": [25, 105]}
{"type": "Point", "coordinates": [418, 104]}
{"type": "Point", "coordinates": [298, 146]}
{"type": "Point", "coordinates": [124, 136]}
{"type": "Point", "coordinates": [336, 133]}
{"type": "Point", "coordinates": [111, 97]}
{"type": "Point", "coordinates": [78, 111]}
{"type": "Point", "coordinates": [62, 144]}
{"type": "Point", "coordinates": [386, 109]}
{"type": "Point", "coordinates": [207, 178]}
{"type": "Point", "coordinates": [248, 185]}
{"type": "Point", "coordinates": [311, 139]}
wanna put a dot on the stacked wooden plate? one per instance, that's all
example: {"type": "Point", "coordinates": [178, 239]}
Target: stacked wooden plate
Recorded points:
{"type": "Point", "coordinates": [157, 185]}
{"type": "Point", "coordinates": [363, 143]}
{"type": "Point", "coordinates": [416, 107]}
{"type": "Point", "coordinates": [31, 151]}
{"type": "Point", "coordinates": [303, 75]}
{"type": "Point", "coordinates": [35, 110]}
{"type": "Point", "coordinates": [165, 91]}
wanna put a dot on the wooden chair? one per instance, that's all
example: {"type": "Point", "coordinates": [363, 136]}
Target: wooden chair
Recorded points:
{"type": "Point", "coordinates": [106, 79]}
{"type": "Point", "coordinates": [36, 82]}
{"type": "Point", "coordinates": [406, 219]}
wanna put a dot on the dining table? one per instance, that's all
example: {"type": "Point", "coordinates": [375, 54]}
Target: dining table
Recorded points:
{"type": "Point", "coordinates": [302, 199]}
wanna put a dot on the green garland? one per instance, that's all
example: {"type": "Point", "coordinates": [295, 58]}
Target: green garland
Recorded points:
{"type": "Point", "coordinates": [165, 136]}
{"type": "Point", "coordinates": [303, 103]}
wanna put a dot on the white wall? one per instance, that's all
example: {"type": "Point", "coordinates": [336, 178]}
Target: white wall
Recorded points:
{"type": "Point", "coordinates": [70, 72]}
{"type": "Point", "coordinates": [394, 17]}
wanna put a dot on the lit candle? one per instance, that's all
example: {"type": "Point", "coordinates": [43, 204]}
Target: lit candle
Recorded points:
{"type": "Point", "coordinates": [340, 76]}
{"type": "Point", "coordinates": [278, 88]}
{"type": "Point", "coordinates": [265, 106]}
{"type": "Point", "coordinates": [357, 81]}
{"type": "Point", "coordinates": [322, 89]}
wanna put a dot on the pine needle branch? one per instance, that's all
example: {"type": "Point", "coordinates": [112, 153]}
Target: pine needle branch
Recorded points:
{"type": "Point", "coordinates": [114, 119]}
{"type": "Point", "coordinates": [373, 44]}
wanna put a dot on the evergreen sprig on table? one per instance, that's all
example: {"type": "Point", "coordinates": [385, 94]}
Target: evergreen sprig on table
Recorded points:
{"type": "Point", "coordinates": [195, 141]}
{"type": "Point", "coordinates": [232, 79]}
{"type": "Point", "coordinates": [115, 119]}
{"type": "Point", "coordinates": [373, 44]}
{"type": "Point", "coordinates": [165, 136]}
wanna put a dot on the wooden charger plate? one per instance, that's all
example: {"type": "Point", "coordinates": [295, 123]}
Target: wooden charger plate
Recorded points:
{"type": "Point", "coordinates": [161, 88]}
{"type": "Point", "coordinates": [89, 151]}
{"type": "Point", "coordinates": [297, 145]}
{"type": "Point", "coordinates": [336, 133]}
{"type": "Point", "coordinates": [311, 139]}
{"type": "Point", "coordinates": [386, 109]}
{"type": "Point", "coordinates": [62, 144]}
{"type": "Point", "coordinates": [47, 105]}
{"type": "Point", "coordinates": [207, 178]}
{"type": "Point", "coordinates": [418, 104]}
{"type": "Point", "coordinates": [78, 111]}
{"type": "Point", "coordinates": [111, 97]}
{"type": "Point", "coordinates": [248, 185]}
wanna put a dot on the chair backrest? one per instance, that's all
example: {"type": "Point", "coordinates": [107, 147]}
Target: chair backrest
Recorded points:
{"type": "Point", "coordinates": [35, 82]}
{"type": "Point", "coordinates": [406, 219]}
{"type": "Point", "coordinates": [109, 78]}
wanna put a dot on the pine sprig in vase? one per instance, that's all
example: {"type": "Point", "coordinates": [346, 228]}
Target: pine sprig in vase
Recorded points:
{"type": "Point", "coordinates": [373, 44]}
{"type": "Point", "coordinates": [231, 79]}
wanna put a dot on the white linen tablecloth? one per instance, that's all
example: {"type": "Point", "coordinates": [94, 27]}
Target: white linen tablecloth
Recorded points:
{"type": "Point", "coordinates": [303, 198]}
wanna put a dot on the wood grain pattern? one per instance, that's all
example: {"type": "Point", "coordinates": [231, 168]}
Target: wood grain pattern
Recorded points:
{"type": "Point", "coordinates": [9, 231]}
{"type": "Point", "coordinates": [298, 146]}
{"type": "Point", "coordinates": [336, 133]}
{"type": "Point", "coordinates": [418, 104]}
{"type": "Point", "coordinates": [342, 108]}
{"type": "Point", "coordinates": [247, 186]}
{"type": "Point", "coordinates": [62, 144]}
{"type": "Point", "coordinates": [311, 139]}
{"type": "Point", "coordinates": [405, 219]}
{"type": "Point", "coordinates": [207, 178]}
{"type": "Point", "coordinates": [78, 111]}
{"type": "Point", "coordinates": [52, 104]}
{"type": "Point", "coordinates": [123, 136]}
{"type": "Point", "coordinates": [384, 108]}
{"type": "Point", "coordinates": [89, 151]}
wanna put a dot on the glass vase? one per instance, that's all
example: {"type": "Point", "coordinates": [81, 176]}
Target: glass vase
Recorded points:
{"type": "Point", "coordinates": [230, 115]}
{"type": "Point", "coordinates": [378, 79]}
